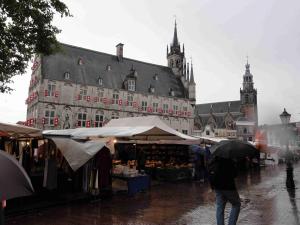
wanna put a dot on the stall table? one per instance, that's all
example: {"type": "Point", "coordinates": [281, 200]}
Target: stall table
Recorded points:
{"type": "Point", "coordinates": [135, 184]}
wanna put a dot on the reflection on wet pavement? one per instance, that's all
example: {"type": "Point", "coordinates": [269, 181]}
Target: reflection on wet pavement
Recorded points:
{"type": "Point", "coordinates": [265, 200]}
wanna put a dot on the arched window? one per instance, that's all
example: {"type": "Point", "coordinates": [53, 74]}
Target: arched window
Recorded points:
{"type": "Point", "coordinates": [67, 75]}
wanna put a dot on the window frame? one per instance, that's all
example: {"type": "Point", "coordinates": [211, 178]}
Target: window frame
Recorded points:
{"type": "Point", "coordinates": [115, 98]}
{"type": "Point", "coordinates": [81, 122]}
{"type": "Point", "coordinates": [99, 122]}
{"type": "Point", "coordinates": [175, 109]}
{"type": "Point", "coordinates": [49, 119]}
{"type": "Point", "coordinates": [100, 81]}
{"type": "Point", "coordinates": [67, 76]}
{"type": "Point", "coordinates": [131, 85]}
{"type": "Point", "coordinates": [155, 107]}
{"type": "Point", "coordinates": [129, 99]}
{"type": "Point", "coordinates": [51, 89]}
{"type": "Point", "coordinates": [165, 108]}
{"type": "Point", "coordinates": [114, 115]}
{"type": "Point", "coordinates": [82, 94]}
{"type": "Point", "coordinates": [144, 105]}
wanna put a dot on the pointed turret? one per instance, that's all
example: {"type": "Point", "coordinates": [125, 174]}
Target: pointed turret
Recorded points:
{"type": "Point", "coordinates": [167, 50]}
{"type": "Point", "coordinates": [175, 42]}
{"type": "Point", "coordinates": [192, 84]}
{"type": "Point", "coordinates": [188, 72]}
{"type": "Point", "coordinates": [192, 75]}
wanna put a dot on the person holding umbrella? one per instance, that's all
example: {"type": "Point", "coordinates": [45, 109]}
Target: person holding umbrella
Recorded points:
{"type": "Point", "coordinates": [222, 172]}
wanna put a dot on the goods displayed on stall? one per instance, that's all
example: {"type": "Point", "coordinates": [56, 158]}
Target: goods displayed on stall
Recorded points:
{"type": "Point", "coordinates": [162, 162]}
{"type": "Point", "coordinates": [136, 181]}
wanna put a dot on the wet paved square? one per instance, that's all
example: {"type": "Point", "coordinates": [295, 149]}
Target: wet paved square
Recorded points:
{"type": "Point", "coordinates": [265, 200]}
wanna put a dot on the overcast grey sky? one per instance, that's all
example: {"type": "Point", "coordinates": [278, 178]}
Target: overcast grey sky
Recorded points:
{"type": "Point", "coordinates": [217, 34]}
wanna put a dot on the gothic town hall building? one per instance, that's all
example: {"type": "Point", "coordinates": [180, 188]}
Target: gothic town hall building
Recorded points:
{"type": "Point", "coordinates": [78, 87]}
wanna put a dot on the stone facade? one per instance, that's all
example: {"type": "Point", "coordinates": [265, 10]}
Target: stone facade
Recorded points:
{"type": "Point", "coordinates": [83, 88]}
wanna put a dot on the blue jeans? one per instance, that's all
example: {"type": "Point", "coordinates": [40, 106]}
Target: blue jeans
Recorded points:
{"type": "Point", "coordinates": [222, 197]}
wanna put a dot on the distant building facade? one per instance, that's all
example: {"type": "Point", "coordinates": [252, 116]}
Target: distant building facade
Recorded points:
{"type": "Point", "coordinates": [78, 87]}
{"type": "Point", "coordinates": [230, 119]}
{"type": "Point", "coordinates": [279, 135]}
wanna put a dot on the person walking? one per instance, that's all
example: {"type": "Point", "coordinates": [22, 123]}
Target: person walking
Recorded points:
{"type": "Point", "coordinates": [224, 185]}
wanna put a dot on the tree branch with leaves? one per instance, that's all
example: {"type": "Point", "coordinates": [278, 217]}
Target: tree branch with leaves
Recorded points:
{"type": "Point", "coordinates": [26, 29]}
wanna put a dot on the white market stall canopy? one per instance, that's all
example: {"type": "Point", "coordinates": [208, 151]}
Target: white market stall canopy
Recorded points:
{"type": "Point", "coordinates": [147, 128]}
{"type": "Point", "coordinates": [19, 131]}
{"type": "Point", "coordinates": [76, 153]}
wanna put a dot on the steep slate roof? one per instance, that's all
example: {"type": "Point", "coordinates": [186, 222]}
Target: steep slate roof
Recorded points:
{"type": "Point", "coordinates": [220, 119]}
{"type": "Point", "coordinates": [218, 107]}
{"type": "Point", "coordinates": [219, 112]}
{"type": "Point", "coordinates": [94, 65]}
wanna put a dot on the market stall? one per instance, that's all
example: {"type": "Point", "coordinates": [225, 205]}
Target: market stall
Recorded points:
{"type": "Point", "coordinates": [163, 151]}
{"type": "Point", "coordinates": [136, 133]}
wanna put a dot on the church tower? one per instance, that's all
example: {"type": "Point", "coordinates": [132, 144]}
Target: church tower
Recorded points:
{"type": "Point", "coordinates": [176, 58]}
{"type": "Point", "coordinates": [249, 96]}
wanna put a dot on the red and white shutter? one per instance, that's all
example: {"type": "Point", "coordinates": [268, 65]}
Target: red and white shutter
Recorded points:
{"type": "Point", "coordinates": [55, 121]}
{"type": "Point", "coordinates": [88, 123]}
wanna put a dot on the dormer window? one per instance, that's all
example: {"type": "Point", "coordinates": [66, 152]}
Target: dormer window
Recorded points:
{"type": "Point", "coordinates": [131, 85]}
{"type": "Point", "coordinates": [155, 77]}
{"type": "Point", "coordinates": [151, 89]}
{"type": "Point", "coordinates": [80, 61]}
{"type": "Point", "coordinates": [172, 93]}
{"type": "Point", "coordinates": [100, 81]}
{"type": "Point", "coordinates": [108, 67]}
{"type": "Point", "coordinates": [67, 75]}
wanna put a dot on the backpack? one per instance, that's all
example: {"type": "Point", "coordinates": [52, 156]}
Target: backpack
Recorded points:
{"type": "Point", "coordinates": [213, 171]}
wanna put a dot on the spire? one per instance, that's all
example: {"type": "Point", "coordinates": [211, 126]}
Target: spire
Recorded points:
{"type": "Point", "coordinates": [247, 67]}
{"type": "Point", "coordinates": [175, 39]}
{"type": "Point", "coordinates": [188, 72]}
{"type": "Point", "coordinates": [192, 74]}
{"type": "Point", "coordinates": [167, 50]}
{"type": "Point", "coordinates": [183, 48]}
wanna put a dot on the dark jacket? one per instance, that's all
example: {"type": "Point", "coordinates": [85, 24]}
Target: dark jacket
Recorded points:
{"type": "Point", "coordinates": [226, 174]}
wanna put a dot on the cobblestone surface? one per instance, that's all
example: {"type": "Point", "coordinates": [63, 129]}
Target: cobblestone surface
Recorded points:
{"type": "Point", "coordinates": [265, 201]}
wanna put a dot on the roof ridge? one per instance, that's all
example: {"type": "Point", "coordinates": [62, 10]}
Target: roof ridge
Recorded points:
{"type": "Point", "coordinates": [218, 102]}
{"type": "Point", "coordinates": [104, 53]}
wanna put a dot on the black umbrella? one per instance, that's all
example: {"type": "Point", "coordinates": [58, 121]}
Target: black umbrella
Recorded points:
{"type": "Point", "coordinates": [233, 149]}
{"type": "Point", "coordinates": [14, 181]}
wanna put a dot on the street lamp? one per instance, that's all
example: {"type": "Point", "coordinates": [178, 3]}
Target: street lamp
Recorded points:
{"type": "Point", "coordinates": [285, 119]}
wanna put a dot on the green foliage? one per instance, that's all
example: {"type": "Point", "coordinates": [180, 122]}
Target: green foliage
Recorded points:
{"type": "Point", "coordinates": [25, 30]}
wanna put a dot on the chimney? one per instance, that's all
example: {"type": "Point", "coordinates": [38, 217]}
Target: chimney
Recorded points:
{"type": "Point", "coordinates": [120, 51]}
